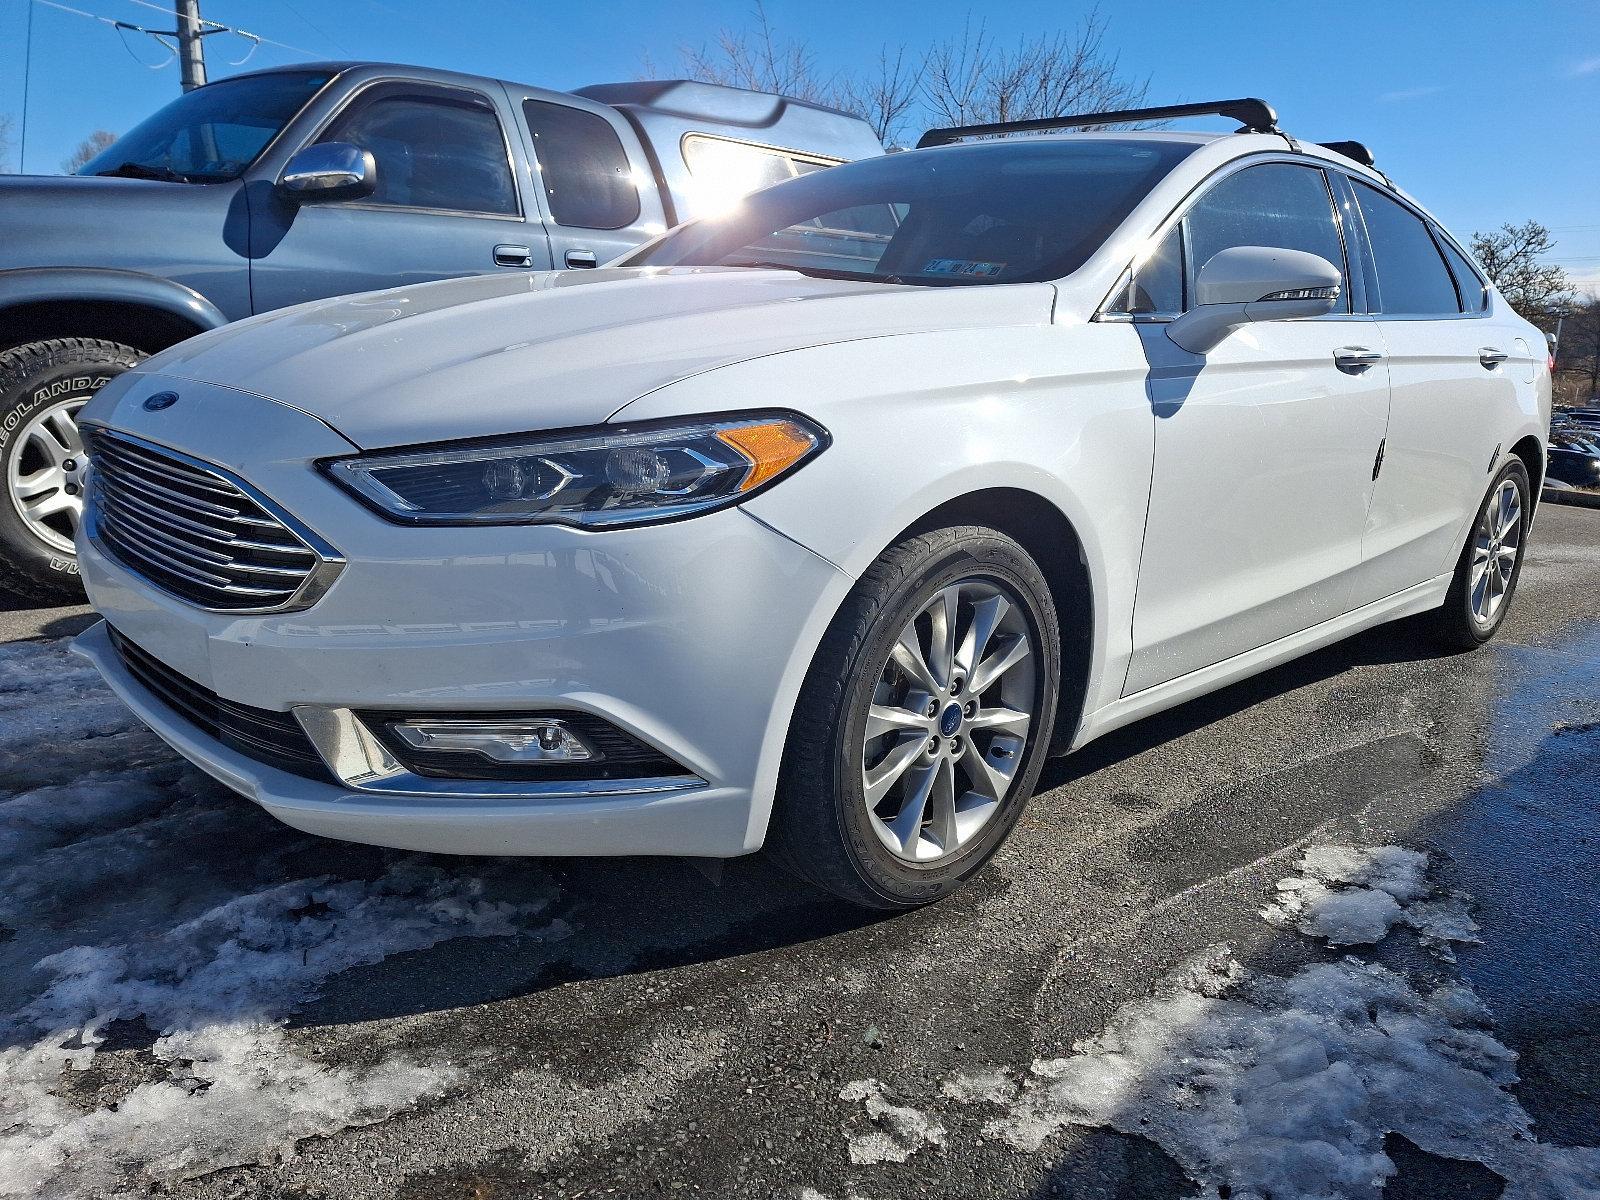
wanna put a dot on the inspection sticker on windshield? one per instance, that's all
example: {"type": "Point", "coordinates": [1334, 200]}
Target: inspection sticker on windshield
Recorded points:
{"type": "Point", "coordinates": [961, 266]}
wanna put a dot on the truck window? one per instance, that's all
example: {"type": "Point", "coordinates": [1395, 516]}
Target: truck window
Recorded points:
{"type": "Point", "coordinates": [587, 178]}
{"type": "Point", "coordinates": [434, 149]}
{"type": "Point", "coordinates": [725, 170]}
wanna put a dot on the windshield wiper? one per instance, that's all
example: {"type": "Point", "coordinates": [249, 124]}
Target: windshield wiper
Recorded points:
{"type": "Point", "coordinates": [811, 272]}
{"type": "Point", "coordinates": [137, 170]}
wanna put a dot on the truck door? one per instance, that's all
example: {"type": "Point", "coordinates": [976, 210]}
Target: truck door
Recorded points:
{"type": "Point", "coordinates": [446, 202]}
{"type": "Point", "coordinates": [600, 198]}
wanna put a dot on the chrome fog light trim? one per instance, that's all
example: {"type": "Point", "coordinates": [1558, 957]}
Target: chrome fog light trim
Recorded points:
{"type": "Point", "coordinates": [528, 740]}
{"type": "Point", "coordinates": [364, 764]}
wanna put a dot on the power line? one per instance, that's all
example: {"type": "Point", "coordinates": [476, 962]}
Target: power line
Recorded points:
{"type": "Point", "coordinates": [218, 27]}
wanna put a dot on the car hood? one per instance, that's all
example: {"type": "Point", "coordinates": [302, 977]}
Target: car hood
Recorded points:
{"type": "Point", "coordinates": [501, 354]}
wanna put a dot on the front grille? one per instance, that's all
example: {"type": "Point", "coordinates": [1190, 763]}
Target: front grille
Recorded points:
{"type": "Point", "coordinates": [194, 531]}
{"type": "Point", "coordinates": [273, 738]}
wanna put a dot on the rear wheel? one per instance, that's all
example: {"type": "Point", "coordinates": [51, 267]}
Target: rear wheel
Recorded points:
{"type": "Point", "coordinates": [1490, 563]}
{"type": "Point", "coordinates": [923, 722]}
{"type": "Point", "coordinates": [42, 387]}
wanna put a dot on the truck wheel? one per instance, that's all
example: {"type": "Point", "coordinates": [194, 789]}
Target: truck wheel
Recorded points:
{"type": "Point", "coordinates": [42, 387]}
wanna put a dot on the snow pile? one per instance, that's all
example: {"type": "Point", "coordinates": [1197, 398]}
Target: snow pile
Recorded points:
{"type": "Point", "coordinates": [133, 890]}
{"type": "Point", "coordinates": [1262, 1086]}
{"type": "Point", "coordinates": [896, 1132]}
{"type": "Point", "coordinates": [1352, 896]}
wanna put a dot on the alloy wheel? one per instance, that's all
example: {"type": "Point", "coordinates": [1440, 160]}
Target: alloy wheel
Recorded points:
{"type": "Point", "coordinates": [1496, 544]}
{"type": "Point", "coordinates": [45, 474]}
{"type": "Point", "coordinates": [948, 720]}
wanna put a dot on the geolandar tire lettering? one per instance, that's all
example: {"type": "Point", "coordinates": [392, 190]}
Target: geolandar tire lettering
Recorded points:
{"type": "Point", "coordinates": [42, 385]}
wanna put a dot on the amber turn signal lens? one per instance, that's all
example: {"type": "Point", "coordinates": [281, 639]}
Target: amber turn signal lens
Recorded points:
{"type": "Point", "coordinates": [772, 448]}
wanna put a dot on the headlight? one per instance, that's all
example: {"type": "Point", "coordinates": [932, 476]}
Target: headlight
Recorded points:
{"type": "Point", "coordinates": [627, 474]}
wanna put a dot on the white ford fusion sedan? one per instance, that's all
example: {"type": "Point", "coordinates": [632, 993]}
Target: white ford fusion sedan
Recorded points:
{"type": "Point", "coordinates": [817, 525]}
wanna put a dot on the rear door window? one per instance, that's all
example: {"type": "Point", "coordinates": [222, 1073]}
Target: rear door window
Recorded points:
{"type": "Point", "coordinates": [1413, 280]}
{"type": "Point", "coordinates": [1274, 204]}
{"type": "Point", "coordinates": [434, 149]}
{"type": "Point", "coordinates": [588, 180]}
{"type": "Point", "coordinates": [1469, 284]}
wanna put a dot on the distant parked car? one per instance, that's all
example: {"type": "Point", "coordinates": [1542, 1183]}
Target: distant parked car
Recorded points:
{"type": "Point", "coordinates": [277, 187]}
{"type": "Point", "coordinates": [816, 525]}
{"type": "Point", "coordinates": [1576, 468]}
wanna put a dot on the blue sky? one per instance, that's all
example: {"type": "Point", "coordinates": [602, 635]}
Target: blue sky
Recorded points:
{"type": "Point", "coordinates": [1489, 112]}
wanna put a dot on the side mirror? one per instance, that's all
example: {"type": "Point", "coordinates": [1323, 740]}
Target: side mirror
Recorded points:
{"type": "Point", "coordinates": [329, 171]}
{"type": "Point", "coordinates": [1254, 283]}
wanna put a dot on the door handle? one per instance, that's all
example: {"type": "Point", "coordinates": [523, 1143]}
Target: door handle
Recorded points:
{"type": "Point", "coordinates": [513, 256]}
{"type": "Point", "coordinates": [1355, 359]}
{"type": "Point", "coordinates": [581, 259]}
{"type": "Point", "coordinates": [1490, 358]}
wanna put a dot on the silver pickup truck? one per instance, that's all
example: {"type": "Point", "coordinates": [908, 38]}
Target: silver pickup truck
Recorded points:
{"type": "Point", "coordinates": [275, 187]}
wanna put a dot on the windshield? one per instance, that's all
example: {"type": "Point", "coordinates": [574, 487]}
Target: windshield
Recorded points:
{"type": "Point", "coordinates": [1015, 211]}
{"type": "Point", "coordinates": [212, 133]}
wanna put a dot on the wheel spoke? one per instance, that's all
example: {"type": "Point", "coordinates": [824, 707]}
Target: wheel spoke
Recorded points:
{"type": "Point", "coordinates": [882, 777]}
{"type": "Point", "coordinates": [907, 823]}
{"type": "Point", "coordinates": [884, 718]}
{"type": "Point", "coordinates": [987, 779]}
{"type": "Point", "coordinates": [942, 827]}
{"type": "Point", "coordinates": [908, 654]}
{"type": "Point", "coordinates": [942, 648]}
{"type": "Point", "coordinates": [1002, 720]}
{"type": "Point", "coordinates": [998, 663]}
{"type": "Point", "coordinates": [64, 430]}
{"type": "Point", "coordinates": [49, 506]}
{"type": "Point", "coordinates": [46, 479]}
{"type": "Point", "coordinates": [986, 615]}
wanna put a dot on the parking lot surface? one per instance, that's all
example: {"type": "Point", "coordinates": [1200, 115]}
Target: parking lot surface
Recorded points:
{"type": "Point", "coordinates": [1332, 931]}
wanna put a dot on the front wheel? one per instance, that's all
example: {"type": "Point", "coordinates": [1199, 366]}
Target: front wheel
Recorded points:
{"type": "Point", "coordinates": [1490, 563]}
{"type": "Point", "coordinates": [42, 387]}
{"type": "Point", "coordinates": [923, 722]}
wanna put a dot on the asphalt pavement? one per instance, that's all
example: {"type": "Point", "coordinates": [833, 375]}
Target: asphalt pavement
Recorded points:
{"type": "Point", "coordinates": [271, 1015]}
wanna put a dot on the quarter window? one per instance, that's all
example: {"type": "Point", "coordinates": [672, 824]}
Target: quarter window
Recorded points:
{"type": "Point", "coordinates": [1474, 296]}
{"type": "Point", "coordinates": [1275, 204]}
{"type": "Point", "coordinates": [1412, 278]}
{"type": "Point", "coordinates": [440, 150]}
{"type": "Point", "coordinates": [588, 180]}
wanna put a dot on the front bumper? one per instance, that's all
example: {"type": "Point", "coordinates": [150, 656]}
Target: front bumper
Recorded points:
{"type": "Point", "coordinates": [693, 637]}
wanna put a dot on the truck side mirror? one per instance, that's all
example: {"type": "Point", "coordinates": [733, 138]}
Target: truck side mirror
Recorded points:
{"type": "Point", "coordinates": [329, 171]}
{"type": "Point", "coordinates": [1255, 283]}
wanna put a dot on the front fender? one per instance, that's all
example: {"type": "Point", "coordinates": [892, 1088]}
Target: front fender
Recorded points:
{"type": "Point", "coordinates": [33, 285]}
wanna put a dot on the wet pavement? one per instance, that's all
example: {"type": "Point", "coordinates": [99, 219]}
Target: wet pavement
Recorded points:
{"type": "Point", "coordinates": [292, 1018]}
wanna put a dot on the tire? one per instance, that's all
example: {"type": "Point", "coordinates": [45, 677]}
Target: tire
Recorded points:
{"type": "Point", "coordinates": [823, 828]}
{"type": "Point", "coordinates": [42, 384]}
{"type": "Point", "coordinates": [1470, 615]}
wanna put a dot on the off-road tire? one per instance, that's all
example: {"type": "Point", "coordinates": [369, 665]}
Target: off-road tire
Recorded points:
{"type": "Point", "coordinates": [819, 828]}
{"type": "Point", "coordinates": [33, 377]}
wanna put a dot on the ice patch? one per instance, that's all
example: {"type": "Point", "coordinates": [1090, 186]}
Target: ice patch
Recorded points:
{"type": "Point", "coordinates": [134, 890]}
{"type": "Point", "coordinates": [1261, 1086]}
{"type": "Point", "coordinates": [995, 1085]}
{"type": "Point", "coordinates": [1350, 896]}
{"type": "Point", "coordinates": [897, 1132]}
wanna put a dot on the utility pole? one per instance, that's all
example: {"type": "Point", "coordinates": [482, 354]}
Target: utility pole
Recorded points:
{"type": "Point", "coordinates": [191, 52]}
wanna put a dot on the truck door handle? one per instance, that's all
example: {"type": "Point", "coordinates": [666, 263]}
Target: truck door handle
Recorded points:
{"type": "Point", "coordinates": [1490, 358]}
{"type": "Point", "coordinates": [513, 256]}
{"type": "Point", "coordinates": [581, 259]}
{"type": "Point", "coordinates": [1355, 359]}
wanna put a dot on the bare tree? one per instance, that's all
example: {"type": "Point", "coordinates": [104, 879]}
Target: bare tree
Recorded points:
{"type": "Point", "coordinates": [883, 96]}
{"type": "Point", "coordinates": [762, 60]}
{"type": "Point", "coordinates": [87, 149]}
{"type": "Point", "coordinates": [971, 80]}
{"type": "Point", "coordinates": [960, 81]}
{"type": "Point", "coordinates": [1511, 255]}
{"type": "Point", "coordinates": [1578, 356]}
{"type": "Point", "coordinates": [5, 143]}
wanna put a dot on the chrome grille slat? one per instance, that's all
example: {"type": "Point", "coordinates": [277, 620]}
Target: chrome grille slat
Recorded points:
{"type": "Point", "coordinates": [188, 528]}
{"type": "Point", "coordinates": [198, 532]}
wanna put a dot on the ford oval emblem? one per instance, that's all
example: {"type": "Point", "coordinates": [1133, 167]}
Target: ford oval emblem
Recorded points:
{"type": "Point", "coordinates": [159, 401]}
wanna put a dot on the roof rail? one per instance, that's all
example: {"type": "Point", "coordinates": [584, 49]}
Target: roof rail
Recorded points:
{"type": "Point", "coordinates": [1255, 115]}
{"type": "Point", "coordinates": [1355, 151]}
